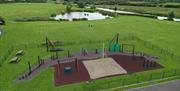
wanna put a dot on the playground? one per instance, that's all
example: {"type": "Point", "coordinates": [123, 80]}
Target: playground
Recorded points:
{"type": "Point", "coordinates": [151, 37]}
{"type": "Point", "coordinates": [88, 65]}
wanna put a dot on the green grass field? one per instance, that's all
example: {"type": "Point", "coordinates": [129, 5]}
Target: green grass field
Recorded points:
{"type": "Point", "coordinates": [150, 10]}
{"type": "Point", "coordinates": [165, 34]}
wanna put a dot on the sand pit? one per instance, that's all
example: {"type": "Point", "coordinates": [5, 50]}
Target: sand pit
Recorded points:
{"type": "Point", "coordinates": [103, 67]}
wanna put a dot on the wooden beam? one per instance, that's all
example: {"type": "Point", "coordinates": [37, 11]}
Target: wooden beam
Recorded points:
{"type": "Point", "coordinates": [77, 64]}
{"type": "Point", "coordinates": [29, 67]}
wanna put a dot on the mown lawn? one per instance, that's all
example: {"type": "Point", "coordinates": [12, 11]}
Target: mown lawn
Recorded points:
{"type": "Point", "coordinates": [165, 34]}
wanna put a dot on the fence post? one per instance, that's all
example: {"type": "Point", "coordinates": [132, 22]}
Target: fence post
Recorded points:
{"type": "Point", "coordinates": [163, 74]}
{"type": "Point", "coordinates": [137, 79]}
{"type": "Point", "coordinates": [175, 71]}
{"type": "Point", "coordinates": [151, 77]}
{"type": "Point", "coordinates": [108, 84]}
{"type": "Point", "coordinates": [123, 83]}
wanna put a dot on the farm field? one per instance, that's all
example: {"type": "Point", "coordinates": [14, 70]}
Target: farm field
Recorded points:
{"type": "Point", "coordinates": [27, 35]}
{"type": "Point", "coordinates": [149, 10]}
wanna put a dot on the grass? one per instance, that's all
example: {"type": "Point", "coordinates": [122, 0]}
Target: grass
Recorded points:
{"type": "Point", "coordinates": [150, 10]}
{"type": "Point", "coordinates": [164, 34]}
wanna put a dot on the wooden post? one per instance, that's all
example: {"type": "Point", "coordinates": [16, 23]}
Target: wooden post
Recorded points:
{"type": "Point", "coordinates": [96, 51]}
{"type": "Point", "coordinates": [29, 68]}
{"type": "Point", "coordinates": [39, 61]}
{"type": "Point", "coordinates": [175, 71]}
{"type": "Point", "coordinates": [117, 40]}
{"type": "Point", "coordinates": [154, 64]}
{"type": "Point", "coordinates": [138, 79]}
{"type": "Point", "coordinates": [163, 74]}
{"type": "Point", "coordinates": [144, 63]}
{"type": "Point", "coordinates": [47, 44]}
{"type": "Point", "coordinates": [151, 63]}
{"type": "Point", "coordinates": [43, 61]}
{"type": "Point", "coordinates": [59, 66]}
{"type": "Point", "coordinates": [56, 55]}
{"type": "Point", "coordinates": [122, 48]}
{"type": "Point", "coordinates": [133, 50]}
{"type": "Point", "coordinates": [77, 64]}
{"type": "Point", "coordinates": [68, 53]}
{"type": "Point", "coordinates": [151, 77]}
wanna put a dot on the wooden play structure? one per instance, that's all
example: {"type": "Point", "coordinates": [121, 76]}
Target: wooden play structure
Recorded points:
{"type": "Point", "coordinates": [51, 45]}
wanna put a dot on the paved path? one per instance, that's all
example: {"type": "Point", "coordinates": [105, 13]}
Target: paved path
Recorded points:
{"type": "Point", "coordinates": [166, 86]}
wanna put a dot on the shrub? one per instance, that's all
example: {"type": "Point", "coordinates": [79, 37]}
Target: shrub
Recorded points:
{"type": "Point", "coordinates": [53, 15]}
{"type": "Point", "coordinates": [68, 8]}
{"type": "Point", "coordinates": [172, 6]}
{"type": "Point", "coordinates": [93, 7]}
{"type": "Point", "coordinates": [81, 5]}
{"type": "Point", "coordinates": [108, 13]}
{"type": "Point", "coordinates": [171, 15]}
{"type": "Point", "coordinates": [79, 19]}
{"type": "Point", "coordinates": [33, 19]}
{"type": "Point", "coordinates": [2, 21]}
{"type": "Point", "coordinates": [63, 20]}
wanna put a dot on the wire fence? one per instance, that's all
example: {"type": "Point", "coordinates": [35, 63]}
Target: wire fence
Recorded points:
{"type": "Point", "coordinates": [122, 81]}
{"type": "Point", "coordinates": [127, 80]}
{"type": "Point", "coordinates": [147, 44]}
{"type": "Point", "coordinates": [152, 46]}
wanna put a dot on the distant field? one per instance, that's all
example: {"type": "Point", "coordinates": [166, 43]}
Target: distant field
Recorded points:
{"type": "Point", "coordinates": [150, 10]}
{"type": "Point", "coordinates": [165, 34]}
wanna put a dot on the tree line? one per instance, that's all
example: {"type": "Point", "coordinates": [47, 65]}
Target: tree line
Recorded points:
{"type": "Point", "coordinates": [30, 1]}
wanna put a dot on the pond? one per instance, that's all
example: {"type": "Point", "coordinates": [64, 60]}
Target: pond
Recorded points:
{"type": "Point", "coordinates": [117, 11]}
{"type": "Point", "coordinates": [166, 18]}
{"type": "Point", "coordinates": [80, 15]}
{"type": "Point", "coordinates": [134, 13]}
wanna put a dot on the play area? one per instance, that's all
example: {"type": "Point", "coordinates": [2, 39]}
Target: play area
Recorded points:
{"type": "Point", "coordinates": [87, 65]}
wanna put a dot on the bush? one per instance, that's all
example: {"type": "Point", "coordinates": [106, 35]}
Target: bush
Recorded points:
{"type": "Point", "coordinates": [53, 15]}
{"type": "Point", "coordinates": [113, 14]}
{"type": "Point", "coordinates": [68, 8]}
{"type": "Point", "coordinates": [171, 15]}
{"type": "Point", "coordinates": [172, 6]}
{"type": "Point", "coordinates": [81, 5]}
{"type": "Point", "coordinates": [93, 7]}
{"type": "Point", "coordinates": [33, 19]}
{"type": "Point", "coordinates": [63, 20]}
{"type": "Point", "coordinates": [79, 19]}
{"type": "Point", "coordinates": [2, 21]}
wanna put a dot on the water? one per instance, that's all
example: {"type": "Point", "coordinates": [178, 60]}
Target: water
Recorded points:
{"type": "Point", "coordinates": [126, 12]}
{"type": "Point", "coordinates": [118, 11]}
{"type": "Point", "coordinates": [165, 18]}
{"type": "Point", "coordinates": [90, 16]}
{"type": "Point", "coordinates": [161, 18]}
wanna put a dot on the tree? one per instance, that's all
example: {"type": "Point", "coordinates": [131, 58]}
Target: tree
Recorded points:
{"type": "Point", "coordinates": [68, 7]}
{"type": "Point", "coordinates": [171, 15]}
{"type": "Point", "coordinates": [93, 7]}
{"type": "Point", "coordinates": [2, 21]}
{"type": "Point", "coordinates": [115, 9]}
{"type": "Point", "coordinates": [81, 5]}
